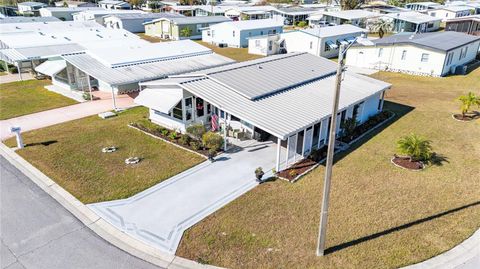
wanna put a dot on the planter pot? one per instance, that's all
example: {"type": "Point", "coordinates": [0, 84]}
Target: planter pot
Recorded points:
{"type": "Point", "coordinates": [132, 160]}
{"type": "Point", "coordinates": [109, 149]}
{"type": "Point", "coordinates": [259, 176]}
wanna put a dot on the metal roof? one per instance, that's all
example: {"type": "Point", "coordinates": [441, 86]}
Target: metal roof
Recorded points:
{"type": "Point", "coordinates": [269, 75]}
{"type": "Point", "coordinates": [413, 17]}
{"type": "Point", "coordinates": [443, 41]}
{"type": "Point", "coordinates": [351, 14]}
{"type": "Point", "coordinates": [332, 30]}
{"type": "Point", "coordinates": [250, 24]}
{"type": "Point", "coordinates": [145, 71]}
{"type": "Point", "coordinates": [284, 113]}
{"type": "Point", "coordinates": [31, 4]}
{"type": "Point", "coordinates": [42, 52]}
{"type": "Point", "coordinates": [194, 20]}
{"type": "Point", "coordinates": [20, 19]}
{"type": "Point", "coordinates": [130, 16]}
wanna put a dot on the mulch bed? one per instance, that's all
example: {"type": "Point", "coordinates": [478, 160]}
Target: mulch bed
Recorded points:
{"type": "Point", "coordinates": [467, 117]}
{"type": "Point", "coordinates": [366, 126]}
{"type": "Point", "coordinates": [405, 162]}
{"type": "Point", "coordinates": [176, 141]}
{"type": "Point", "coordinates": [297, 169]}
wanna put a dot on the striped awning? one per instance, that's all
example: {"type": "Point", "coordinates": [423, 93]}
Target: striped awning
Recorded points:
{"type": "Point", "coordinates": [331, 44]}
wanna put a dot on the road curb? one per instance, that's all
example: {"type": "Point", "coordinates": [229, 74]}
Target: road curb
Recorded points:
{"type": "Point", "coordinates": [94, 222]}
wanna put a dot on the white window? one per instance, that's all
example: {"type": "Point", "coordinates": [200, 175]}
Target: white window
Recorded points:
{"type": "Point", "coordinates": [404, 55]}
{"type": "Point", "coordinates": [465, 52]}
{"type": "Point", "coordinates": [257, 43]}
{"type": "Point", "coordinates": [424, 57]}
{"type": "Point", "coordinates": [311, 44]}
{"type": "Point", "coordinates": [449, 58]}
{"type": "Point", "coordinates": [461, 53]}
{"type": "Point", "coordinates": [233, 33]}
{"type": "Point", "coordinates": [380, 52]}
{"type": "Point", "coordinates": [270, 45]}
{"type": "Point", "coordinates": [208, 33]}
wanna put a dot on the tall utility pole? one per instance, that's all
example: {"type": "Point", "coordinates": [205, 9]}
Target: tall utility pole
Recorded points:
{"type": "Point", "coordinates": [322, 233]}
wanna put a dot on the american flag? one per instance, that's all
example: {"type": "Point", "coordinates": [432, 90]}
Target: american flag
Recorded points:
{"type": "Point", "coordinates": [214, 122]}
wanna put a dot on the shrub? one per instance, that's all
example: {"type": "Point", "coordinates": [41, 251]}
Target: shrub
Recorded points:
{"type": "Point", "coordinates": [348, 126]}
{"type": "Point", "coordinates": [164, 132]}
{"type": "Point", "coordinates": [212, 140]}
{"type": "Point", "coordinates": [195, 145]}
{"type": "Point", "coordinates": [173, 135]}
{"type": "Point", "coordinates": [292, 173]}
{"type": "Point", "coordinates": [196, 131]}
{"type": "Point", "coordinates": [184, 140]}
{"type": "Point", "coordinates": [301, 23]}
{"type": "Point", "coordinates": [415, 147]}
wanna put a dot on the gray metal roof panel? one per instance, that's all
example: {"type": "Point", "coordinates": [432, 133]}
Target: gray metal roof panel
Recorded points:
{"type": "Point", "coordinates": [146, 71]}
{"type": "Point", "coordinates": [287, 112]}
{"type": "Point", "coordinates": [443, 41]}
{"type": "Point", "coordinates": [271, 75]}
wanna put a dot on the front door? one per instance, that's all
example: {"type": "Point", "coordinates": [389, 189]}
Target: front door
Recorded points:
{"type": "Point", "coordinates": [307, 147]}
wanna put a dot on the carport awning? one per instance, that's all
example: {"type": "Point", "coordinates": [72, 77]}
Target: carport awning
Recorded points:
{"type": "Point", "coordinates": [331, 44]}
{"type": "Point", "coordinates": [162, 100]}
{"type": "Point", "coordinates": [350, 39]}
{"type": "Point", "coordinates": [343, 42]}
{"type": "Point", "coordinates": [51, 68]}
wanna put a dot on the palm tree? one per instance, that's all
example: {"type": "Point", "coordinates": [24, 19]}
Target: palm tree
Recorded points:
{"type": "Point", "coordinates": [382, 27]}
{"type": "Point", "coordinates": [468, 101]}
{"type": "Point", "coordinates": [415, 147]}
{"type": "Point", "coordinates": [186, 32]}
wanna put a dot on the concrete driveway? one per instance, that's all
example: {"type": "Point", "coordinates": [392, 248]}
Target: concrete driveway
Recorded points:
{"type": "Point", "coordinates": [159, 216]}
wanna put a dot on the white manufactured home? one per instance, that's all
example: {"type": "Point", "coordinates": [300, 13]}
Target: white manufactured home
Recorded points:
{"type": "Point", "coordinates": [319, 41]}
{"type": "Point", "coordinates": [118, 66]}
{"type": "Point", "coordinates": [432, 54]}
{"type": "Point", "coordinates": [236, 33]}
{"type": "Point", "coordinates": [283, 98]}
{"type": "Point", "coordinates": [450, 12]}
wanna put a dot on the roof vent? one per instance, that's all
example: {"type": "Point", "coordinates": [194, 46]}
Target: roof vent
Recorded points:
{"type": "Point", "coordinates": [259, 67]}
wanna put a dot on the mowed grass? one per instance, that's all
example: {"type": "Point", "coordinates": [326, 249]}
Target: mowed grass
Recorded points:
{"type": "Point", "coordinates": [27, 97]}
{"type": "Point", "coordinates": [237, 54]}
{"type": "Point", "coordinates": [70, 153]}
{"type": "Point", "coordinates": [152, 39]}
{"type": "Point", "coordinates": [380, 216]}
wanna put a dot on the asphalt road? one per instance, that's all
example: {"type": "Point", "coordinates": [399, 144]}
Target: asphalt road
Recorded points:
{"type": "Point", "coordinates": [37, 232]}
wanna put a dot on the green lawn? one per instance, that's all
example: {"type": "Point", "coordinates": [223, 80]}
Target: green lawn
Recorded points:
{"type": "Point", "coordinates": [380, 216]}
{"type": "Point", "coordinates": [152, 39]}
{"type": "Point", "coordinates": [27, 97]}
{"type": "Point", "coordinates": [237, 54]}
{"type": "Point", "coordinates": [70, 153]}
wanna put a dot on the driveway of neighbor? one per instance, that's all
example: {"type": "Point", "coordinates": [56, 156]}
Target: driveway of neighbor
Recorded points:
{"type": "Point", "coordinates": [62, 114]}
{"type": "Point", "coordinates": [37, 232]}
{"type": "Point", "coordinates": [14, 77]}
{"type": "Point", "coordinates": [159, 215]}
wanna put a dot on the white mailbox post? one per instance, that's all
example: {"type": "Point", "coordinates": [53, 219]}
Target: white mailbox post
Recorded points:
{"type": "Point", "coordinates": [16, 130]}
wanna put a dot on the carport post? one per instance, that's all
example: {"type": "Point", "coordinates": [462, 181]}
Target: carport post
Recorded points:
{"type": "Point", "coordinates": [114, 102]}
{"type": "Point", "coordinates": [89, 87]}
{"type": "Point", "coordinates": [279, 148]}
{"type": "Point", "coordinates": [225, 142]}
{"type": "Point", "coordinates": [19, 69]}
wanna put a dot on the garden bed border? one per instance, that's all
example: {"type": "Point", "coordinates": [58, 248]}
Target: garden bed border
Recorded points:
{"type": "Point", "coordinates": [393, 114]}
{"type": "Point", "coordinates": [413, 170]}
{"type": "Point", "coordinates": [169, 142]}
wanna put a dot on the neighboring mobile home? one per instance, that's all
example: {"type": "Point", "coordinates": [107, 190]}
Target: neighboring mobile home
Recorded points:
{"type": "Point", "coordinates": [134, 22]}
{"type": "Point", "coordinates": [30, 7]}
{"type": "Point", "coordinates": [468, 25]}
{"type": "Point", "coordinates": [319, 41]}
{"type": "Point", "coordinates": [448, 12]}
{"type": "Point", "coordinates": [98, 15]}
{"type": "Point", "coordinates": [236, 33]}
{"type": "Point", "coordinates": [432, 54]}
{"type": "Point", "coordinates": [413, 22]}
{"type": "Point", "coordinates": [74, 4]}
{"type": "Point", "coordinates": [181, 27]}
{"type": "Point", "coordinates": [422, 6]}
{"type": "Point", "coordinates": [114, 4]}
{"type": "Point", "coordinates": [283, 98]}
{"type": "Point", "coordinates": [355, 17]}
{"type": "Point", "coordinates": [118, 67]}
{"type": "Point", "coordinates": [64, 13]}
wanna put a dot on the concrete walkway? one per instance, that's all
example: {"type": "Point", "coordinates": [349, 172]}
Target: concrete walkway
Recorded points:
{"type": "Point", "coordinates": [63, 114]}
{"type": "Point", "coordinates": [37, 232]}
{"type": "Point", "coordinates": [159, 216]}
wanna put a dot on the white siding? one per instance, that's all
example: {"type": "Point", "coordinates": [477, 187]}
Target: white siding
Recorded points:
{"type": "Point", "coordinates": [391, 59]}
